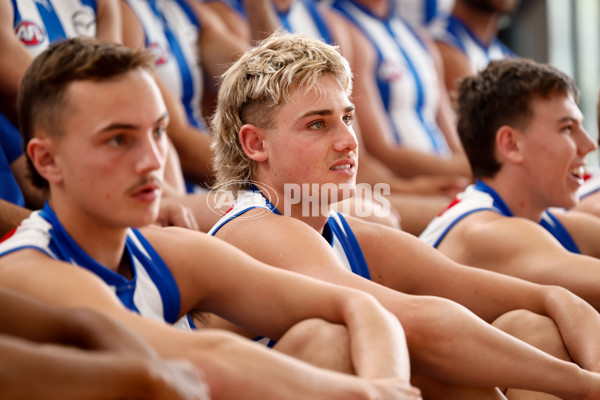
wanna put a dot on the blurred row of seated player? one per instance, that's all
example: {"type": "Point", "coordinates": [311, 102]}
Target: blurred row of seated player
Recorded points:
{"type": "Point", "coordinates": [417, 198]}
{"type": "Point", "coordinates": [27, 27]}
{"type": "Point", "coordinates": [467, 38]}
{"type": "Point", "coordinates": [94, 123]}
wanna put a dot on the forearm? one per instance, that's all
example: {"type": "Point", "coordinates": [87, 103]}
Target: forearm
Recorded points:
{"type": "Point", "coordinates": [53, 372]}
{"type": "Point", "coordinates": [377, 341]}
{"type": "Point", "coordinates": [261, 18]}
{"type": "Point", "coordinates": [449, 343]}
{"type": "Point", "coordinates": [577, 322]}
{"type": "Point", "coordinates": [237, 368]}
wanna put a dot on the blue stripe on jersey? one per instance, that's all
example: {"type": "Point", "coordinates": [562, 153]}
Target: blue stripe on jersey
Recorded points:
{"type": "Point", "coordinates": [450, 226]}
{"type": "Point", "coordinates": [319, 22]}
{"type": "Point", "coordinates": [161, 276]}
{"type": "Point", "coordinates": [430, 10]}
{"type": "Point", "coordinates": [184, 68]}
{"type": "Point", "coordinates": [92, 4]}
{"type": "Point", "coordinates": [54, 28]}
{"type": "Point", "coordinates": [284, 20]}
{"type": "Point", "coordinates": [16, 13]}
{"type": "Point", "coordinates": [553, 225]}
{"type": "Point", "coordinates": [351, 247]}
{"type": "Point", "coordinates": [384, 88]}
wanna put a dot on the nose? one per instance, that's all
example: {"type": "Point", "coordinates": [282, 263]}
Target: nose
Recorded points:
{"type": "Point", "coordinates": [585, 144]}
{"type": "Point", "coordinates": [345, 138]}
{"type": "Point", "coordinates": [151, 154]}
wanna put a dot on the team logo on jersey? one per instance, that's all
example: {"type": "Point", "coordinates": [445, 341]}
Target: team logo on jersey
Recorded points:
{"type": "Point", "coordinates": [390, 71]}
{"type": "Point", "coordinates": [160, 52]}
{"type": "Point", "coordinates": [84, 22]}
{"type": "Point", "coordinates": [30, 33]}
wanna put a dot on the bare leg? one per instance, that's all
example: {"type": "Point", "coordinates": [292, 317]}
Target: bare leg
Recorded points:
{"type": "Point", "coordinates": [434, 390]}
{"type": "Point", "coordinates": [538, 331]}
{"type": "Point", "coordinates": [319, 343]}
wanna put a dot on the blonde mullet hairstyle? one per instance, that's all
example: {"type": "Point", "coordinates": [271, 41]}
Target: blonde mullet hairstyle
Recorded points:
{"type": "Point", "coordinates": [254, 86]}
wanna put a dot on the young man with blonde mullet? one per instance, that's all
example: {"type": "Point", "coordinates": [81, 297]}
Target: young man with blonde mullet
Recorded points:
{"type": "Point", "coordinates": [284, 118]}
{"type": "Point", "coordinates": [94, 126]}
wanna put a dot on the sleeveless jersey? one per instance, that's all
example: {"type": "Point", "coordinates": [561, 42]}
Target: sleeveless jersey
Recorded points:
{"type": "Point", "coordinates": [152, 292]}
{"type": "Point", "coordinates": [421, 12]}
{"type": "Point", "coordinates": [172, 33]}
{"type": "Point", "coordinates": [37, 23]}
{"type": "Point", "coordinates": [11, 148]}
{"type": "Point", "coordinates": [406, 77]}
{"type": "Point", "coordinates": [480, 197]}
{"type": "Point", "coordinates": [302, 17]}
{"type": "Point", "coordinates": [337, 232]}
{"type": "Point", "coordinates": [455, 33]}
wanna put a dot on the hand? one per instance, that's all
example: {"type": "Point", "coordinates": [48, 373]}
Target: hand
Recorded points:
{"type": "Point", "coordinates": [173, 213]}
{"type": "Point", "coordinates": [448, 186]}
{"type": "Point", "coordinates": [178, 379]}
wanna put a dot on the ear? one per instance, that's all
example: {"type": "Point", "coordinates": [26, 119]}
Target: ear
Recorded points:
{"type": "Point", "coordinates": [253, 142]}
{"type": "Point", "coordinates": [41, 152]}
{"type": "Point", "coordinates": [509, 146]}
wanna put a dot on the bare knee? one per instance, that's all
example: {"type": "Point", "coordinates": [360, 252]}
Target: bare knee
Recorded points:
{"type": "Point", "coordinates": [537, 330]}
{"type": "Point", "coordinates": [320, 343]}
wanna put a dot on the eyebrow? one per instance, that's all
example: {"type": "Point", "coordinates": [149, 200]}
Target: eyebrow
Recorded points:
{"type": "Point", "coordinates": [118, 125]}
{"type": "Point", "coordinates": [325, 112]}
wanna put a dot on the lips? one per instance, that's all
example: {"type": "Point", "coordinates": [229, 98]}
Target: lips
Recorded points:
{"type": "Point", "coordinates": [343, 165]}
{"type": "Point", "coordinates": [578, 173]}
{"type": "Point", "coordinates": [148, 191]}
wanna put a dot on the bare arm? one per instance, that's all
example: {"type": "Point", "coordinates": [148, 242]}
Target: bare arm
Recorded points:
{"type": "Point", "coordinates": [377, 340]}
{"type": "Point", "coordinates": [522, 248]}
{"type": "Point", "coordinates": [439, 332]}
{"type": "Point", "coordinates": [456, 65]}
{"type": "Point", "coordinates": [66, 373]}
{"type": "Point", "coordinates": [407, 264]}
{"type": "Point", "coordinates": [262, 19]}
{"type": "Point", "coordinates": [13, 63]}
{"type": "Point", "coordinates": [224, 358]}
{"type": "Point", "coordinates": [108, 26]}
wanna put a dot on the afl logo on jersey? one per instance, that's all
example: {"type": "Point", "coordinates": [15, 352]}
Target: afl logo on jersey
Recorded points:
{"type": "Point", "coordinates": [84, 22]}
{"type": "Point", "coordinates": [30, 33]}
{"type": "Point", "coordinates": [390, 71]}
{"type": "Point", "coordinates": [160, 52]}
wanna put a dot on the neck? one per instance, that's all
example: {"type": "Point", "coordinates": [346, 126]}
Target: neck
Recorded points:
{"type": "Point", "coordinates": [484, 25]}
{"type": "Point", "coordinates": [296, 206]}
{"type": "Point", "coordinates": [520, 202]}
{"type": "Point", "coordinates": [380, 8]}
{"type": "Point", "coordinates": [105, 244]}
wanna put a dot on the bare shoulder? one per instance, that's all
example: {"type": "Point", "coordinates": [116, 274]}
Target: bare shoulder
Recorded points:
{"type": "Point", "coordinates": [32, 272]}
{"type": "Point", "coordinates": [278, 240]}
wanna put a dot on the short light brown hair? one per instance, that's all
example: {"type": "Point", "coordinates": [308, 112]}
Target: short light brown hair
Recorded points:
{"type": "Point", "coordinates": [41, 99]}
{"type": "Point", "coordinates": [252, 89]}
